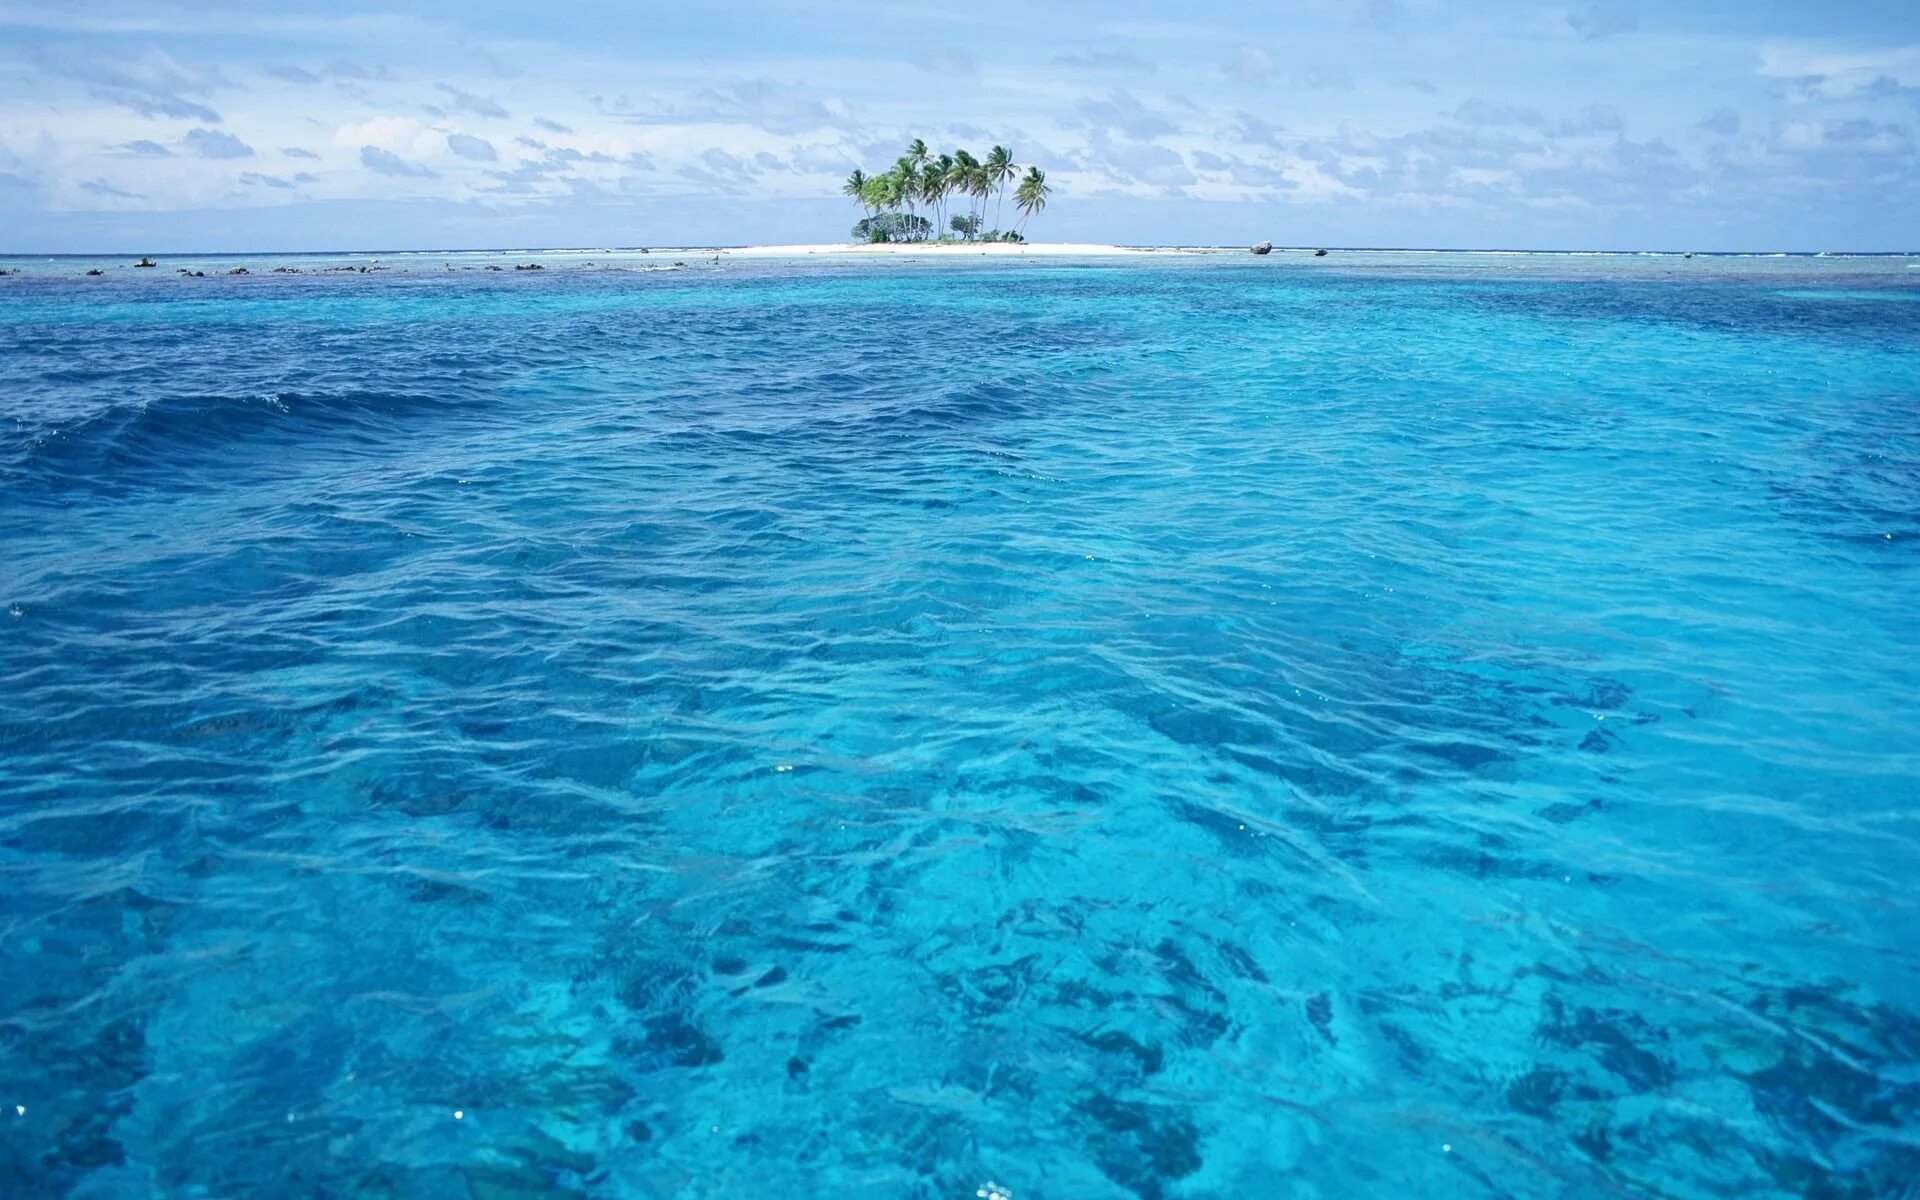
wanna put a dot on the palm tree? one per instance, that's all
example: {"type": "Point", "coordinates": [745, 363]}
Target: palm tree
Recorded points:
{"type": "Point", "coordinates": [1031, 195]}
{"type": "Point", "coordinates": [880, 193]}
{"type": "Point", "coordinates": [856, 187]}
{"type": "Point", "coordinates": [960, 178]}
{"type": "Point", "coordinates": [980, 186]}
{"type": "Point", "coordinates": [1001, 167]}
{"type": "Point", "coordinates": [944, 165]}
{"type": "Point", "coordinates": [915, 160]}
{"type": "Point", "coordinates": [897, 197]}
{"type": "Point", "coordinates": [908, 177]}
{"type": "Point", "coordinates": [933, 187]}
{"type": "Point", "coordinates": [919, 178]}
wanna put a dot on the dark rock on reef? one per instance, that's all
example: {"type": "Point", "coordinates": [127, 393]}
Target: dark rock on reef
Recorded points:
{"type": "Point", "coordinates": [528, 267]}
{"type": "Point", "coordinates": [491, 267]}
{"type": "Point", "coordinates": [239, 271]}
{"type": "Point", "coordinates": [1263, 248]}
{"type": "Point", "coordinates": [1319, 253]}
{"type": "Point", "coordinates": [286, 270]}
{"type": "Point", "coordinates": [146, 262]}
{"type": "Point", "coordinates": [95, 271]}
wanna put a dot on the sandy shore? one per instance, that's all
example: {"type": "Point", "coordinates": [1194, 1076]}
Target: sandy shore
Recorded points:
{"type": "Point", "coordinates": [955, 249]}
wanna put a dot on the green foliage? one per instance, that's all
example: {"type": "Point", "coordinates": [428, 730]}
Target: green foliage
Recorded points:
{"type": "Point", "coordinates": [1031, 195]}
{"type": "Point", "coordinates": [919, 179]}
{"type": "Point", "coordinates": [892, 227]}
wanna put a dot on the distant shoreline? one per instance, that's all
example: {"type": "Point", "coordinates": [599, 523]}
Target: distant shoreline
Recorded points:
{"type": "Point", "coordinates": [895, 255]}
{"type": "Point", "coordinates": [1016, 249]}
{"type": "Point", "coordinates": [959, 249]}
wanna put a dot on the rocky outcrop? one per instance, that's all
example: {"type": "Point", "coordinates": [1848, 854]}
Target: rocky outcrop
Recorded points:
{"type": "Point", "coordinates": [1319, 253]}
{"type": "Point", "coordinates": [146, 262]}
{"type": "Point", "coordinates": [1263, 248]}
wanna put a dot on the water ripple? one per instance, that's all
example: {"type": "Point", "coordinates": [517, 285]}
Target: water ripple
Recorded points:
{"type": "Point", "coordinates": [1137, 731]}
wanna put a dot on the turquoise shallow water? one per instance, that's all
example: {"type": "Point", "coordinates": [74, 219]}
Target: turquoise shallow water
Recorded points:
{"type": "Point", "coordinates": [1180, 728]}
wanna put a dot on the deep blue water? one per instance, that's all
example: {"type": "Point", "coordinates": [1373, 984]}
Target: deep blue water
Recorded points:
{"type": "Point", "coordinates": [1183, 728]}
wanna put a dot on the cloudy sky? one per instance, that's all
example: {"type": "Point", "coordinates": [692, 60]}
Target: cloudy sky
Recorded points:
{"type": "Point", "coordinates": [1716, 124]}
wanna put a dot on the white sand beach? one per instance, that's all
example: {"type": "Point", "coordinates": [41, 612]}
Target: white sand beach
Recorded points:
{"type": "Point", "coordinates": [945, 249]}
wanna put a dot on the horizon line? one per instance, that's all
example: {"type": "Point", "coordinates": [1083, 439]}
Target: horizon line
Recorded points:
{"type": "Point", "coordinates": [1829, 253]}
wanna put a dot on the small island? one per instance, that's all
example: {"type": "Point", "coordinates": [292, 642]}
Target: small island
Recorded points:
{"type": "Point", "coordinates": [920, 182]}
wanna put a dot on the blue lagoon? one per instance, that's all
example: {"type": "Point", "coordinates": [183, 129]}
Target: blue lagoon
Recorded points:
{"type": "Point", "coordinates": [1188, 726]}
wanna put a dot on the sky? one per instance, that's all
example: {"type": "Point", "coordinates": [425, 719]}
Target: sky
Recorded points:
{"type": "Point", "coordinates": [1590, 124]}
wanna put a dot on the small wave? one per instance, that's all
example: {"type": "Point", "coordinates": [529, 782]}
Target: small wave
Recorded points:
{"type": "Point", "coordinates": [135, 437]}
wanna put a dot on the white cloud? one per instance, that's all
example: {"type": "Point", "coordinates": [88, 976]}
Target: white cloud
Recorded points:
{"type": "Point", "coordinates": [1322, 110]}
{"type": "Point", "coordinates": [386, 162]}
{"type": "Point", "coordinates": [1724, 122]}
{"type": "Point", "coordinates": [1252, 64]}
{"type": "Point", "coordinates": [100, 187]}
{"type": "Point", "coordinates": [1121, 112]}
{"type": "Point", "coordinates": [151, 83]}
{"type": "Point", "coordinates": [402, 135]}
{"type": "Point", "coordinates": [211, 143]}
{"type": "Point", "coordinates": [1118, 61]}
{"type": "Point", "coordinates": [467, 146]}
{"type": "Point", "coordinates": [1603, 19]}
{"type": "Point", "coordinates": [467, 102]}
{"type": "Point", "coordinates": [1823, 71]}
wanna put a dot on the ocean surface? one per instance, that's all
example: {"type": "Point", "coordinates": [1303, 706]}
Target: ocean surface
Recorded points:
{"type": "Point", "coordinates": [1384, 725]}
